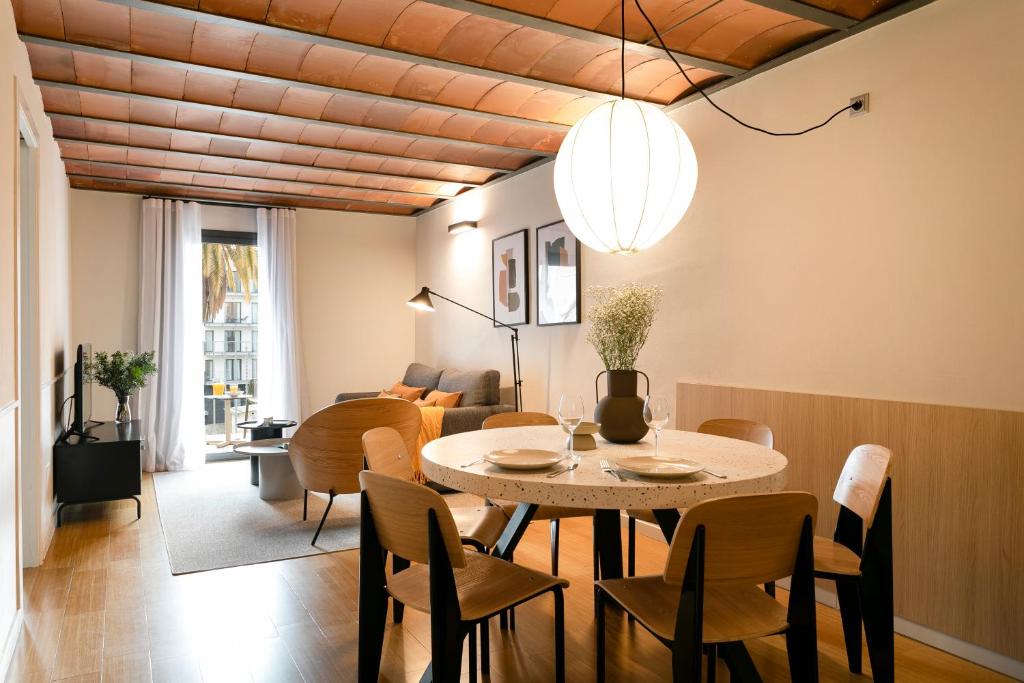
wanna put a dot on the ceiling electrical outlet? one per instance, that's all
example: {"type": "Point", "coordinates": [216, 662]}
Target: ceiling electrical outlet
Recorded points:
{"type": "Point", "coordinates": [864, 101]}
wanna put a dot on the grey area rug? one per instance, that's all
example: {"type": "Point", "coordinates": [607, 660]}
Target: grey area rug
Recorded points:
{"type": "Point", "coordinates": [214, 518]}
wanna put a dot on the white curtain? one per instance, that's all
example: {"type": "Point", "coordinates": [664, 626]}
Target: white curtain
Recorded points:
{"type": "Point", "coordinates": [280, 372]}
{"type": "Point", "coordinates": [170, 323]}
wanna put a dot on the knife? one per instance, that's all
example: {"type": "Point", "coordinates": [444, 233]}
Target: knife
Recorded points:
{"type": "Point", "coordinates": [607, 468]}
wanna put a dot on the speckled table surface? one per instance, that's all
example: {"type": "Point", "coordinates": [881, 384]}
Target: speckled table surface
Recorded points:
{"type": "Point", "coordinates": [748, 468]}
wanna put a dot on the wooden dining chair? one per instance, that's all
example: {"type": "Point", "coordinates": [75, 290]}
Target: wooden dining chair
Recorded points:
{"type": "Point", "coordinates": [551, 513]}
{"type": "Point", "coordinates": [460, 590]}
{"type": "Point", "coordinates": [733, 428]}
{"type": "Point", "coordinates": [479, 527]}
{"type": "Point", "coordinates": [708, 598]}
{"type": "Point", "coordinates": [327, 449]}
{"type": "Point", "coordinates": [861, 564]}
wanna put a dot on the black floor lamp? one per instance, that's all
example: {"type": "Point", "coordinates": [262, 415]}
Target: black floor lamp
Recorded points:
{"type": "Point", "coordinates": [422, 302]}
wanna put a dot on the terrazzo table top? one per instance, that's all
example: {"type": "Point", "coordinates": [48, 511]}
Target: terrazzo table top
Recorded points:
{"type": "Point", "coordinates": [749, 468]}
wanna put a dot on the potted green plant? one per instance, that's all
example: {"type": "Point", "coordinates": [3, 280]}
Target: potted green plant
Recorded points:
{"type": "Point", "coordinates": [620, 320]}
{"type": "Point", "coordinates": [124, 373]}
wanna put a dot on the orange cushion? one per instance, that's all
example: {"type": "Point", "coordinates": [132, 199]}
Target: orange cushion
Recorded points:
{"type": "Point", "coordinates": [406, 392]}
{"type": "Point", "coordinates": [387, 394]}
{"type": "Point", "coordinates": [444, 399]}
{"type": "Point", "coordinates": [424, 402]}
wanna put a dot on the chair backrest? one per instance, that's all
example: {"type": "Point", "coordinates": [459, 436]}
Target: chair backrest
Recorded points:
{"type": "Point", "coordinates": [748, 539]}
{"type": "Point", "coordinates": [327, 449]}
{"type": "Point", "coordinates": [400, 511]}
{"type": "Point", "coordinates": [386, 453]}
{"type": "Point", "coordinates": [734, 428]}
{"type": "Point", "coordinates": [499, 420]}
{"type": "Point", "coordinates": [862, 480]}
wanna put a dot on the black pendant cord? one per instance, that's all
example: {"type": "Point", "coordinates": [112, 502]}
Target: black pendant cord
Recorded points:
{"type": "Point", "coordinates": [622, 51]}
{"type": "Point", "coordinates": [853, 106]}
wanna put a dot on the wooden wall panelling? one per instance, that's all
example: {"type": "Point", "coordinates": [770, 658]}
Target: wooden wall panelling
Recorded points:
{"type": "Point", "coordinates": [958, 478]}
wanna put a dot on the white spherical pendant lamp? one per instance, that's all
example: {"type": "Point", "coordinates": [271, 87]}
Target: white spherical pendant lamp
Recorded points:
{"type": "Point", "coordinates": [624, 176]}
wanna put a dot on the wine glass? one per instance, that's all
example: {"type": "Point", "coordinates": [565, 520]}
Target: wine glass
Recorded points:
{"type": "Point", "coordinates": [656, 414]}
{"type": "Point", "coordinates": [570, 413]}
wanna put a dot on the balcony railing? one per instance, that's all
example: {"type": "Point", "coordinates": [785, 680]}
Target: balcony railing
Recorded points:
{"type": "Point", "coordinates": [222, 348]}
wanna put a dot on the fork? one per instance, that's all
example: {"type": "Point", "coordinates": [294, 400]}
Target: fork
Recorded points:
{"type": "Point", "coordinates": [475, 462]}
{"type": "Point", "coordinates": [607, 468]}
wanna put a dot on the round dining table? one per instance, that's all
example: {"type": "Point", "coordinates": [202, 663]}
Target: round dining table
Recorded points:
{"type": "Point", "coordinates": [744, 468]}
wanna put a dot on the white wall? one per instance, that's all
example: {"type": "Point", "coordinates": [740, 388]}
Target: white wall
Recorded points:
{"type": "Point", "coordinates": [26, 498]}
{"type": "Point", "coordinates": [879, 257]}
{"type": "Point", "coordinates": [355, 273]}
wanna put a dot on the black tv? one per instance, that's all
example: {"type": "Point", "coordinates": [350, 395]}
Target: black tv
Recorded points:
{"type": "Point", "coordinates": [83, 392]}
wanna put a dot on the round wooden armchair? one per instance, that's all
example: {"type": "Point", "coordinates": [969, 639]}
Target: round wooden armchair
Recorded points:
{"type": "Point", "coordinates": [327, 449]}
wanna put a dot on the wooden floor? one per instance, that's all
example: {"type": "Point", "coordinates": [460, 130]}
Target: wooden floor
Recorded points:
{"type": "Point", "coordinates": [104, 606]}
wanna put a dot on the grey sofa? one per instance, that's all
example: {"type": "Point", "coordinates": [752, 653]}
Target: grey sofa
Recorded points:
{"type": "Point", "coordinates": [481, 395]}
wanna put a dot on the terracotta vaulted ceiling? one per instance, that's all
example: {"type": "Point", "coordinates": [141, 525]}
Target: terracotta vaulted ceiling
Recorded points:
{"type": "Point", "coordinates": [385, 106]}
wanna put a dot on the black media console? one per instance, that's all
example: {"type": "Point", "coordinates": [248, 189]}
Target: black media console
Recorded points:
{"type": "Point", "coordinates": [105, 467]}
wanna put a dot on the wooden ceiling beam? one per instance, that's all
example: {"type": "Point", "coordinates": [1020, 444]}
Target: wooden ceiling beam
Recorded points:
{"type": "Point", "coordinates": [373, 50]}
{"type": "Point", "coordinates": [196, 193]}
{"type": "Point", "coordinates": [274, 116]}
{"type": "Point", "coordinates": [296, 145]}
{"type": "Point", "coordinates": [233, 174]}
{"type": "Point", "coordinates": [801, 10]}
{"type": "Point", "coordinates": [285, 82]}
{"type": "Point", "coordinates": [216, 188]}
{"type": "Point", "coordinates": [570, 31]}
{"type": "Point", "coordinates": [298, 167]}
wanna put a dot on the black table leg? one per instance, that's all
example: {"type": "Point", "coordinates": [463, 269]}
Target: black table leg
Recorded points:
{"type": "Point", "coordinates": [667, 520]}
{"type": "Point", "coordinates": [254, 470]}
{"type": "Point", "coordinates": [608, 543]}
{"type": "Point", "coordinates": [514, 530]}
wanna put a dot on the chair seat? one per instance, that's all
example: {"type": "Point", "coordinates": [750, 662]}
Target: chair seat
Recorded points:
{"type": "Point", "coordinates": [545, 512]}
{"type": "Point", "coordinates": [486, 585]}
{"type": "Point", "coordinates": [731, 613]}
{"type": "Point", "coordinates": [481, 525]}
{"type": "Point", "coordinates": [834, 558]}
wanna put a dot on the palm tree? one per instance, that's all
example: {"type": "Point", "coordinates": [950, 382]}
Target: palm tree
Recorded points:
{"type": "Point", "coordinates": [221, 264]}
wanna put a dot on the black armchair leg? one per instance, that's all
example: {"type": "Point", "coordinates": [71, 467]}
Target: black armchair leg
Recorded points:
{"type": "Point", "coordinates": [559, 636]}
{"type": "Point", "coordinates": [485, 647]}
{"type": "Point", "coordinates": [848, 593]}
{"type": "Point", "coordinates": [305, 503]}
{"type": "Point", "coordinates": [398, 564]}
{"type": "Point", "coordinates": [324, 518]}
{"type": "Point", "coordinates": [599, 609]}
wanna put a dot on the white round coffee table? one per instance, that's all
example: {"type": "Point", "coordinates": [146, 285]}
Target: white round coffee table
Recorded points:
{"type": "Point", "coordinates": [277, 476]}
{"type": "Point", "coordinates": [747, 468]}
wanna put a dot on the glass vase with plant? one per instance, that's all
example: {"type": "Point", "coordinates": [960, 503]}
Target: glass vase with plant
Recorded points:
{"type": "Point", "coordinates": [124, 373]}
{"type": "Point", "coordinates": [620, 321]}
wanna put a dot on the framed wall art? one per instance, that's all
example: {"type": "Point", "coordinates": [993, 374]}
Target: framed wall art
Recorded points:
{"type": "Point", "coordinates": [558, 275]}
{"type": "Point", "coordinates": [510, 278]}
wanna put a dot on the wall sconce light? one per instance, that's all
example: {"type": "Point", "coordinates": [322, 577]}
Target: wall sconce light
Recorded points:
{"type": "Point", "coordinates": [461, 226]}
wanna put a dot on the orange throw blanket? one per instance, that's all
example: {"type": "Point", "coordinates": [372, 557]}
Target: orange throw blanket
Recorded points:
{"type": "Point", "coordinates": [430, 429]}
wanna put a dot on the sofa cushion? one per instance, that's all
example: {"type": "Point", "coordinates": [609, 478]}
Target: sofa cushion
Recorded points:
{"type": "Point", "coordinates": [444, 399]}
{"type": "Point", "coordinates": [403, 391]}
{"type": "Point", "coordinates": [420, 375]}
{"type": "Point", "coordinates": [478, 387]}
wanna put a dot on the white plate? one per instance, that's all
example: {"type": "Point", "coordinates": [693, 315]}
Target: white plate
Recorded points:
{"type": "Point", "coordinates": [659, 466]}
{"type": "Point", "coordinates": [523, 458]}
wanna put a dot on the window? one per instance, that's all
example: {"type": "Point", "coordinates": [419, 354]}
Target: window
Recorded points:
{"type": "Point", "coordinates": [252, 375]}
{"type": "Point", "coordinates": [208, 371]}
{"type": "Point", "coordinates": [208, 342]}
{"type": "Point", "coordinates": [233, 369]}
{"type": "Point", "coordinates": [233, 312]}
{"type": "Point", "coordinates": [255, 315]}
{"type": "Point", "coordinates": [233, 341]}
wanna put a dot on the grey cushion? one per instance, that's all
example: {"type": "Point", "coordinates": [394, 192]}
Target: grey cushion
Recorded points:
{"type": "Point", "coordinates": [420, 375]}
{"type": "Point", "coordinates": [478, 387]}
{"type": "Point", "coordinates": [469, 418]}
